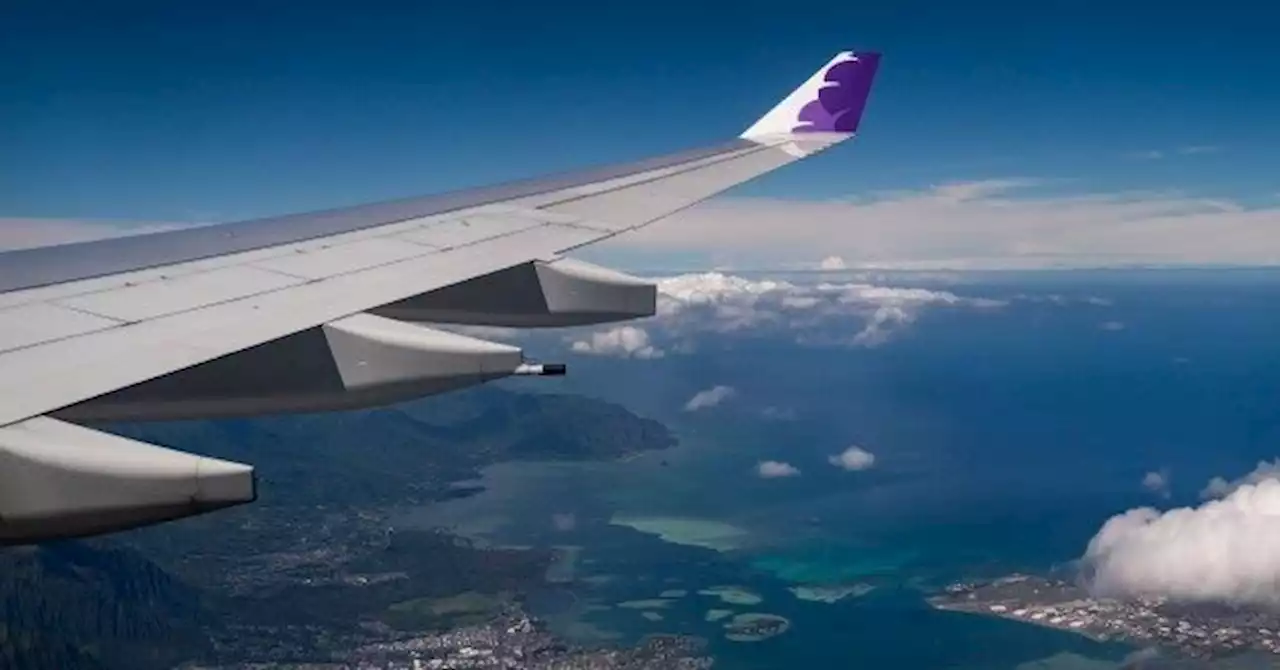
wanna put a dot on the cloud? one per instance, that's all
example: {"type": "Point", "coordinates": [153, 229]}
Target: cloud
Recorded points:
{"type": "Point", "coordinates": [621, 341]}
{"type": "Point", "coordinates": [1005, 223]}
{"type": "Point", "coordinates": [853, 459]}
{"type": "Point", "coordinates": [1198, 149]}
{"type": "Point", "coordinates": [1112, 325]}
{"type": "Point", "coordinates": [832, 263]}
{"type": "Point", "coordinates": [776, 469]}
{"type": "Point", "coordinates": [24, 233]}
{"type": "Point", "coordinates": [709, 398]}
{"type": "Point", "coordinates": [1058, 299]}
{"type": "Point", "coordinates": [1146, 155]}
{"type": "Point", "coordinates": [690, 304]}
{"type": "Point", "coordinates": [1219, 487]}
{"type": "Point", "coordinates": [1160, 154]}
{"type": "Point", "coordinates": [1225, 550]}
{"type": "Point", "coordinates": [1157, 482]}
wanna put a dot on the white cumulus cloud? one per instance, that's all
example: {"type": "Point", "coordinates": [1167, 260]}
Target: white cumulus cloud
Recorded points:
{"type": "Point", "coordinates": [776, 469]}
{"type": "Point", "coordinates": [622, 341]}
{"type": "Point", "coordinates": [1219, 487]}
{"type": "Point", "coordinates": [853, 459]}
{"type": "Point", "coordinates": [709, 398]}
{"type": "Point", "coordinates": [1225, 550]}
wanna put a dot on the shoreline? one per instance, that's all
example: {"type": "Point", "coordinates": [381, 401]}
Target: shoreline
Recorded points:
{"type": "Point", "coordinates": [1041, 623]}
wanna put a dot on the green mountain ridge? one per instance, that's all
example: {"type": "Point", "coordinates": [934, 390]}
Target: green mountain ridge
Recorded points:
{"type": "Point", "coordinates": [81, 604]}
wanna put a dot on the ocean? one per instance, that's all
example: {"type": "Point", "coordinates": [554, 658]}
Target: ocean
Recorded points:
{"type": "Point", "coordinates": [1003, 439]}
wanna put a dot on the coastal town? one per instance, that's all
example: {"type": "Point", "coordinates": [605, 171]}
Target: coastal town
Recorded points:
{"type": "Point", "coordinates": [1195, 630]}
{"type": "Point", "coordinates": [511, 641]}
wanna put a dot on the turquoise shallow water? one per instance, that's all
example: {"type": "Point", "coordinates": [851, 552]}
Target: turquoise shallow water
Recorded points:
{"type": "Point", "coordinates": [832, 563]}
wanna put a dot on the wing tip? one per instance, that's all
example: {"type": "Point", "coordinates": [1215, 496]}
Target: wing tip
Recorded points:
{"type": "Point", "coordinates": [831, 101]}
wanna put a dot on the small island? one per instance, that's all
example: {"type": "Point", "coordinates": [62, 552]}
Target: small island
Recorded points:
{"type": "Point", "coordinates": [755, 626]}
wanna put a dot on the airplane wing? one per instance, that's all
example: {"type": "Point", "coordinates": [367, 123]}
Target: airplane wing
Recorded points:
{"type": "Point", "coordinates": [324, 311]}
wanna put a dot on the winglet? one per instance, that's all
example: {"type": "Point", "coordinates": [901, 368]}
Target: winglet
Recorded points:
{"type": "Point", "coordinates": [831, 101]}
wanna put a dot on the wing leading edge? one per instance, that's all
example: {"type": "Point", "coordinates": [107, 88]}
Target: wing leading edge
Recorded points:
{"type": "Point", "coordinates": [324, 311]}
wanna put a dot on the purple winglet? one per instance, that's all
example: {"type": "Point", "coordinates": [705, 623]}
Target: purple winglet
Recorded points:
{"type": "Point", "coordinates": [841, 100]}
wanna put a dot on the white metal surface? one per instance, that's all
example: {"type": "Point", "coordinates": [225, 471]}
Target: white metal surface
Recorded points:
{"type": "Point", "coordinates": [41, 322]}
{"type": "Point", "coordinates": [467, 230]}
{"type": "Point", "coordinates": [341, 259]}
{"type": "Point", "coordinates": [179, 294]}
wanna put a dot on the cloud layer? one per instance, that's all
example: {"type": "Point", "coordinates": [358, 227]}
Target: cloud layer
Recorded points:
{"type": "Point", "coordinates": [850, 313]}
{"type": "Point", "coordinates": [1007, 223]}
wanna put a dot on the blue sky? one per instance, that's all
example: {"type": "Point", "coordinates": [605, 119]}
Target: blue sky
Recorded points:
{"type": "Point", "coordinates": [167, 111]}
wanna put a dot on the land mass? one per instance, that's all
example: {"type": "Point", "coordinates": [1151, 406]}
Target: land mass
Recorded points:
{"type": "Point", "coordinates": [1197, 630]}
{"type": "Point", "coordinates": [312, 573]}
